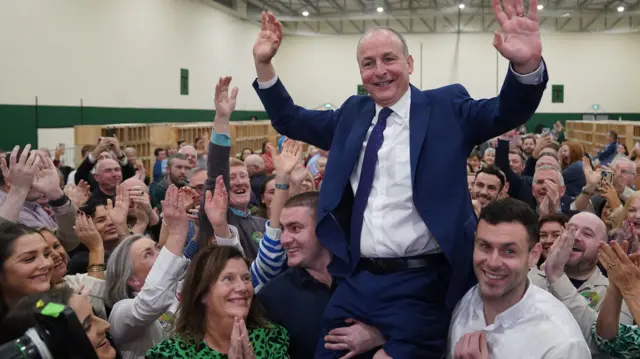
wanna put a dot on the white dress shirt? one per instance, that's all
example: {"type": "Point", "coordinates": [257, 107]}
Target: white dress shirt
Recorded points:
{"type": "Point", "coordinates": [392, 226]}
{"type": "Point", "coordinates": [538, 326]}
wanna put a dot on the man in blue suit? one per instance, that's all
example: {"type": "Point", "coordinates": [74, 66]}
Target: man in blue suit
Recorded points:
{"type": "Point", "coordinates": [394, 209]}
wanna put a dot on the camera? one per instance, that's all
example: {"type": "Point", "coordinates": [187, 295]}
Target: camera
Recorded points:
{"type": "Point", "coordinates": [58, 334]}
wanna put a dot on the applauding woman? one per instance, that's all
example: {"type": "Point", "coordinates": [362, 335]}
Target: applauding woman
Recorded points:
{"type": "Point", "coordinates": [218, 316]}
{"type": "Point", "coordinates": [142, 281]}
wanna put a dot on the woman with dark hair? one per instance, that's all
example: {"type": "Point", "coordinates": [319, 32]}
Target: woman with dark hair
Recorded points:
{"type": "Point", "coordinates": [217, 300]}
{"type": "Point", "coordinates": [25, 264]}
{"type": "Point", "coordinates": [245, 152]}
{"type": "Point", "coordinates": [23, 316]}
{"type": "Point", "coordinates": [266, 195]}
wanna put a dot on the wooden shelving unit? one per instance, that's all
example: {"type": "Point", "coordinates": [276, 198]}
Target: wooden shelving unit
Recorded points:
{"type": "Point", "coordinates": [145, 138]}
{"type": "Point", "coordinates": [593, 134]}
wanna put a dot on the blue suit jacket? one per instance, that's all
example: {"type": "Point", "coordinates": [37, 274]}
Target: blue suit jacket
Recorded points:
{"type": "Point", "coordinates": [445, 124]}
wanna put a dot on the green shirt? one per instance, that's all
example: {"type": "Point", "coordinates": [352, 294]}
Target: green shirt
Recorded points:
{"type": "Point", "coordinates": [271, 342]}
{"type": "Point", "coordinates": [626, 345]}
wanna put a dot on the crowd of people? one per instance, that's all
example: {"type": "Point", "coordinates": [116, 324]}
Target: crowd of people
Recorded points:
{"type": "Point", "coordinates": [354, 235]}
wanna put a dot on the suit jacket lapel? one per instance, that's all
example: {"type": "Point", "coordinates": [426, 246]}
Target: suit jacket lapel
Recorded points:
{"type": "Point", "coordinates": [419, 117]}
{"type": "Point", "coordinates": [358, 133]}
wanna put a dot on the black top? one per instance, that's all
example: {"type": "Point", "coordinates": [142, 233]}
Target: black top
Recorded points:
{"type": "Point", "coordinates": [296, 301]}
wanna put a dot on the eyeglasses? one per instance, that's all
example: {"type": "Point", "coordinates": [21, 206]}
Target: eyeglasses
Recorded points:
{"type": "Point", "coordinates": [627, 173]}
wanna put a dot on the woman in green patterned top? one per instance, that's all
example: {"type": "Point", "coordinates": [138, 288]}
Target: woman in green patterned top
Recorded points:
{"type": "Point", "coordinates": [619, 340]}
{"type": "Point", "coordinates": [217, 300]}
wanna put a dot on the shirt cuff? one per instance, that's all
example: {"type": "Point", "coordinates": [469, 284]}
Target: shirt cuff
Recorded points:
{"type": "Point", "coordinates": [266, 85]}
{"type": "Point", "coordinates": [234, 241]}
{"type": "Point", "coordinates": [167, 266]}
{"type": "Point", "coordinates": [272, 233]}
{"type": "Point", "coordinates": [64, 209]}
{"type": "Point", "coordinates": [220, 139]}
{"type": "Point", "coordinates": [91, 159]}
{"type": "Point", "coordinates": [562, 288]}
{"type": "Point", "coordinates": [533, 78]}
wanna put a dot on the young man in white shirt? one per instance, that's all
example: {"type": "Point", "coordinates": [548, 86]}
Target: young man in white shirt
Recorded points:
{"type": "Point", "coordinates": [505, 316]}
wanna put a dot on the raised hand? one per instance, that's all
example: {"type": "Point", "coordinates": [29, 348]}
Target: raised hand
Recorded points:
{"type": "Point", "coordinates": [175, 217]}
{"type": "Point", "coordinates": [225, 104]}
{"type": "Point", "coordinates": [47, 179]}
{"type": "Point", "coordinates": [559, 254]}
{"type": "Point", "coordinates": [287, 160]}
{"type": "Point", "coordinates": [79, 195]}
{"type": "Point", "coordinates": [189, 198]}
{"type": "Point", "coordinates": [520, 40]}
{"type": "Point", "coordinates": [592, 177]}
{"type": "Point", "coordinates": [21, 171]}
{"type": "Point", "coordinates": [216, 206]}
{"type": "Point", "coordinates": [87, 233]}
{"type": "Point", "coordinates": [118, 212]}
{"type": "Point", "coordinates": [268, 40]}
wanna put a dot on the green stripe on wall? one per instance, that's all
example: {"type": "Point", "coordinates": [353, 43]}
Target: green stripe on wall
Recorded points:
{"type": "Point", "coordinates": [20, 122]}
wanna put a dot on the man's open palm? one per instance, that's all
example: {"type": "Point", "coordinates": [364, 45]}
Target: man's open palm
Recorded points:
{"type": "Point", "coordinates": [268, 40]}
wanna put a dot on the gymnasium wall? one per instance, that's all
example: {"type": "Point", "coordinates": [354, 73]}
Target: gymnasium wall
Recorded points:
{"type": "Point", "coordinates": [69, 62]}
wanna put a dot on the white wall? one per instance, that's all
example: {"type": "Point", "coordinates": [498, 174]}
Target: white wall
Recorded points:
{"type": "Point", "coordinates": [594, 68]}
{"type": "Point", "coordinates": [122, 53]}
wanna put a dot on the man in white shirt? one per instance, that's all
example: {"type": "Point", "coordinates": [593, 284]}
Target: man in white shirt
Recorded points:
{"type": "Point", "coordinates": [505, 316]}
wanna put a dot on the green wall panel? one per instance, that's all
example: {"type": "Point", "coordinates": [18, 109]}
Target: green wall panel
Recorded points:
{"type": "Point", "coordinates": [20, 122]}
{"type": "Point", "coordinates": [18, 126]}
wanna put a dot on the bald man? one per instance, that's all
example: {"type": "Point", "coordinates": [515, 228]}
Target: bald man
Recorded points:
{"type": "Point", "coordinates": [571, 271]}
{"type": "Point", "coordinates": [257, 176]}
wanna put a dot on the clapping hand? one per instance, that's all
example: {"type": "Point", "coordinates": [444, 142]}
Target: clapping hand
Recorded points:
{"type": "Point", "coordinates": [240, 346]}
{"type": "Point", "coordinates": [520, 40]}
{"type": "Point", "coordinates": [22, 171]}
{"type": "Point", "coordinates": [623, 270]}
{"type": "Point", "coordinates": [175, 216]}
{"type": "Point", "coordinates": [225, 104]}
{"type": "Point", "coordinates": [269, 39]}
{"type": "Point", "coordinates": [559, 254]}
{"type": "Point", "coordinates": [87, 233]}
{"type": "Point", "coordinates": [592, 176]}
{"type": "Point", "coordinates": [189, 198]}
{"type": "Point", "coordinates": [79, 195]}
{"type": "Point", "coordinates": [215, 206]}
{"type": "Point", "coordinates": [47, 180]}
{"type": "Point", "coordinates": [118, 212]}
{"type": "Point", "coordinates": [472, 346]}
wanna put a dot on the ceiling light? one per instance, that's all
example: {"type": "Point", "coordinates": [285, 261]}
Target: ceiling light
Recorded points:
{"type": "Point", "coordinates": [620, 8]}
{"type": "Point", "coordinates": [540, 7]}
{"type": "Point", "coordinates": [305, 13]}
{"type": "Point", "coordinates": [461, 6]}
{"type": "Point", "coordinates": [380, 9]}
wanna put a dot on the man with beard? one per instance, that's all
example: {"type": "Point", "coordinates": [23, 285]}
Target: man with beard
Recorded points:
{"type": "Point", "coordinates": [528, 145]}
{"type": "Point", "coordinates": [177, 169]}
{"type": "Point", "coordinates": [571, 273]}
{"type": "Point", "coordinates": [488, 186]}
{"type": "Point", "coordinates": [505, 311]}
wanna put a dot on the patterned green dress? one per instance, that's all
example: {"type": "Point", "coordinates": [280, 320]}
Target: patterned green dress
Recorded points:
{"type": "Point", "coordinates": [271, 342]}
{"type": "Point", "coordinates": [626, 345]}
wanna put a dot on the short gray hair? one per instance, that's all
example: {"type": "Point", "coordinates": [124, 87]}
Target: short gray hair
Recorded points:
{"type": "Point", "coordinates": [550, 168]}
{"type": "Point", "coordinates": [119, 270]}
{"type": "Point", "coordinates": [618, 159]}
{"type": "Point", "coordinates": [405, 47]}
{"type": "Point", "coordinates": [194, 172]}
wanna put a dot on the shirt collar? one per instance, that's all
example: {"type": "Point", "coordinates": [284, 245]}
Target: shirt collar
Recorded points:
{"type": "Point", "coordinates": [240, 213]}
{"type": "Point", "coordinates": [509, 316]}
{"type": "Point", "coordinates": [401, 108]}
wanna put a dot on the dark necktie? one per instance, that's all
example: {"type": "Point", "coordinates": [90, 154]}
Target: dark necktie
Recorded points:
{"type": "Point", "coordinates": [367, 172]}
